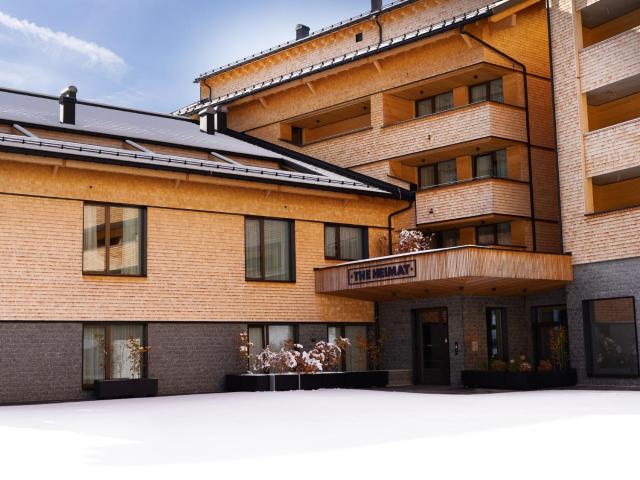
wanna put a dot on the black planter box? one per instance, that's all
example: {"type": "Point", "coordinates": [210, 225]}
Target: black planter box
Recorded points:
{"type": "Point", "coordinates": [125, 388]}
{"type": "Point", "coordinates": [307, 381]}
{"type": "Point", "coordinates": [519, 381]}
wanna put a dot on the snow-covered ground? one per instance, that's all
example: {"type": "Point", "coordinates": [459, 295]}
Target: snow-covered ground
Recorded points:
{"type": "Point", "coordinates": [327, 434]}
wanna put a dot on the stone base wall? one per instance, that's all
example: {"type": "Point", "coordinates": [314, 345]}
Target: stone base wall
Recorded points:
{"type": "Point", "coordinates": [611, 279]}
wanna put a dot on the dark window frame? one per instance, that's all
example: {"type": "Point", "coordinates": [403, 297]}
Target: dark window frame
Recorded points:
{"type": "Point", "coordinates": [438, 237]}
{"type": "Point", "coordinates": [494, 164]}
{"type": "Point", "coordinates": [144, 373]}
{"type": "Point", "coordinates": [487, 91]}
{"type": "Point", "coordinates": [342, 329]}
{"type": "Point", "coordinates": [292, 252]}
{"type": "Point", "coordinates": [535, 324]}
{"type": "Point", "coordinates": [365, 241]}
{"type": "Point", "coordinates": [505, 333]}
{"type": "Point", "coordinates": [265, 331]}
{"type": "Point", "coordinates": [358, 37]}
{"type": "Point", "coordinates": [494, 227]}
{"type": "Point", "coordinates": [432, 100]}
{"type": "Point", "coordinates": [297, 136]}
{"type": "Point", "coordinates": [107, 223]}
{"type": "Point", "coordinates": [586, 322]}
{"type": "Point", "coordinates": [436, 175]}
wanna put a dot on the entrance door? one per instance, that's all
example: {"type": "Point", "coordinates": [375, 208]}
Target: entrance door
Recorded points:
{"type": "Point", "coordinates": [432, 346]}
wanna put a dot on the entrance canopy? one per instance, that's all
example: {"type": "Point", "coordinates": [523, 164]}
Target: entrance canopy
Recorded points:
{"type": "Point", "coordinates": [466, 270]}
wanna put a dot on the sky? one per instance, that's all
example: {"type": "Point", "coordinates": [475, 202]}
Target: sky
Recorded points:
{"type": "Point", "coordinates": [144, 53]}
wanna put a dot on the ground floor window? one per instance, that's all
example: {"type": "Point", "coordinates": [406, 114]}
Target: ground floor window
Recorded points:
{"type": "Point", "coordinates": [113, 351]}
{"type": "Point", "coordinates": [551, 337]}
{"type": "Point", "coordinates": [610, 337]}
{"type": "Point", "coordinates": [277, 336]}
{"type": "Point", "coordinates": [497, 334]}
{"type": "Point", "coordinates": [355, 358]}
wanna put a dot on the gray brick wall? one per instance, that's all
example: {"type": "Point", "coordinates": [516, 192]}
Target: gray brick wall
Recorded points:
{"type": "Point", "coordinates": [309, 334]}
{"type": "Point", "coordinates": [40, 362]}
{"type": "Point", "coordinates": [193, 357]}
{"type": "Point", "coordinates": [615, 278]}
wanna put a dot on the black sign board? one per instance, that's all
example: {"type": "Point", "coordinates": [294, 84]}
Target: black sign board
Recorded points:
{"type": "Point", "coordinates": [385, 271]}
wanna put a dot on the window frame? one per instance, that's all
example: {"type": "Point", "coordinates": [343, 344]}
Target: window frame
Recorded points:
{"type": "Point", "coordinates": [537, 325]}
{"type": "Point", "coordinates": [588, 345]}
{"type": "Point", "coordinates": [143, 239]}
{"type": "Point", "coordinates": [144, 371]}
{"type": "Point", "coordinates": [487, 91]}
{"type": "Point", "coordinates": [494, 164]}
{"type": "Point", "coordinates": [341, 327]}
{"type": "Point", "coordinates": [436, 174]}
{"type": "Point", "coordinates": [504, 330]}
{"type": "Point", "coordinates": [432, 101]}
{"type": "Point", "coordinates": [439, 240]}
{"type": "Point", "coordinates": [494, 227]}
{"type": "Point", "coordinates": [265, 331]}
{"type": "Point", "coordinates": [365, 241]}
{"type": "Point", "coordinates": [292, 252]}
{"type": "Point", "coordinates": [297, 136]}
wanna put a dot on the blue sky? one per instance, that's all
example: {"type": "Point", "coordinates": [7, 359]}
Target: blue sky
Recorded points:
{"type": "Point", "coordinates": [144, 53]}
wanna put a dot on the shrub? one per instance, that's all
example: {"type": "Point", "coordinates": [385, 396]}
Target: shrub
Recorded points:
{"type": "Point", "coordinates": [545, 366]}
{"type": "Point", "coordinates": [496, 365]}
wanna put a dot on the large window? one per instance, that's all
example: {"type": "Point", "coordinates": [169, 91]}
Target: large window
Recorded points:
{"type": "Point", "coordinates": [487, 91]}
{"type": "Point", "coordinates": [343, 242]}
{"type": "Point", "coordinates": [112, 351]}
{"type": "Point", "coordinates": [438, 174]}
{"type": "Point", "coordinates": [113, 240]}
{"type": "Point", "coordinates": [497, 348]}
{"type": "Point", "coordinates": [610, 337]}
{"type": "Point", "coordinates": [492, 164]}
{"type": "Point", "coordinates": [276, 336]}
{"type": "Point", "coordinates": [355, 358]}
{"type": "Point", "coordinates": [494, 234]}
{"type": "Point", "coordinates": [447, 238]}
{"type": "Point", "coordinates": [269, 250]}
{"type": "Point", "coordinates": [551, 336]}
{"type": "Point", "coordinates": [435, 104]}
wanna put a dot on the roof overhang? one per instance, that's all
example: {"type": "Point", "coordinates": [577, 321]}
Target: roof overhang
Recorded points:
{"type": "Point", "coordinates": [467, 270]}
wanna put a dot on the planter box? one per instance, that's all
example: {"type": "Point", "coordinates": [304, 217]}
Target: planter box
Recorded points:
{"type": "Point", "coordinates": [519, 381]}
{"type": "Point", "coordinates": [306, 381]}
{"type": "Point", "coordinates": [125, 388]}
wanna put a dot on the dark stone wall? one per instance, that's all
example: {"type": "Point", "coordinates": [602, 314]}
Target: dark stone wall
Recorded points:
{"type": "Point", "coordinates": [40, 362]}
{"type": "Point", "coordinates": [310, 333]}
{"type": "Point", "coordinates": [615, 278]}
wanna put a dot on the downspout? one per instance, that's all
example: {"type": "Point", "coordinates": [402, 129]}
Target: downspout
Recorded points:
{"type": "Point", "coordinates": [207, 85]}
{"type": "Point", "coordinates": [528, 127]}
{"type": "Point", "coordinates": [390, 227]}
{"type": "Point", "coordinates": [377, 20]}
{"type": "Point", "coordinates": [555, 123]}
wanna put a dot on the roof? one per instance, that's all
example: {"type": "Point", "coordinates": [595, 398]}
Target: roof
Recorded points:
{"type": "Point", "coordinates": [415, 35]}
{"type": "Point", "coordinates": [33, 110]}
{"type": "Point", "coordinates": [313, 35]}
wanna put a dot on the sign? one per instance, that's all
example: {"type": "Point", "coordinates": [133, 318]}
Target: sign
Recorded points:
{"type": "Point", "coordinates": [385, 271]}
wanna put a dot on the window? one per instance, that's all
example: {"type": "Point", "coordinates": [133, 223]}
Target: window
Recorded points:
{"type": "Point", "coordinates": [435, 104]}
{"type": "Point", "coordinates": [497, 334]}
{"type": "Point", "coordinates": [342, 242]}
{"type": "Point", "coordinates": [495, 234]}
{"type": "Point", "coordinates": [296, 136]}
{"type": "Point", "coordinates": [113, 240]}
{"type": "Point", "coordinates": [269, 250]}
{"type": "Point", "coordinates": [551, 340]}
{"type": "Point", "coordinates": [492, 164]}
{"type": "Point", "coordinates": [112, 351]}
{"type": "Point", "coordinates": [355, 358]}
{"type": "Point", "coordinates": [438, 174]}
{"type": "Point", "coordinates": [610, 337]}
{"type": "Point", "coordinates": [487, 91]}
{"type": "Point", "coordinates": [276, 336]}
{"type": "Point", "coordinates": [448, 238]}
{"type": "Point", "coordinates": [358, 37]}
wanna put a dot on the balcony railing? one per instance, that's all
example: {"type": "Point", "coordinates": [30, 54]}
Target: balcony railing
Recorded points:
{"type": "Point", "coordinates": [475, 198]}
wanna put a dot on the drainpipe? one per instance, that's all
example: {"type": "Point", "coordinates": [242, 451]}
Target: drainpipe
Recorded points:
{"type": "Point", "coordinates": [555, 123]}
{"type": "Point", "coordinates": [207, 85]}
{"type": "Point", "coordinates": [526, 110]}
{"type": "Point", "coordinates": [376, 17]}
{"type": "Point", "coordinates": [390, 227]}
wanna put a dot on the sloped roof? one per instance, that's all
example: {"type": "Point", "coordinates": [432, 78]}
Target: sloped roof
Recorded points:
{"type": "Point", "coordinates": [32, 110]}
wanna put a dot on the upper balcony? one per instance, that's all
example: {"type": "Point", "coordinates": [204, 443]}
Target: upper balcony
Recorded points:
{"type": "Point", "coordinates": [492, 198]}
{"type": "Point", "coordinates": [613, 148]}
{"type": "Point", "coordinates": [467, 270]}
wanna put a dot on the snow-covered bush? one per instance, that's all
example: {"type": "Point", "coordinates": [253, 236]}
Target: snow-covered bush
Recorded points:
{"type": "Point", "coordinates": [413, 241]}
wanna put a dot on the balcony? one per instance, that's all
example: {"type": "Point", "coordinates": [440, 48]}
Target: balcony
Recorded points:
{"type": "Point", "coordinates": [613, 148]}
{"type": "Point", "coordinates": [468, 270]}
{"type": "Point", "coordinates": [611, 61]}
{"type": "Point", "coordinates": [472, 199]}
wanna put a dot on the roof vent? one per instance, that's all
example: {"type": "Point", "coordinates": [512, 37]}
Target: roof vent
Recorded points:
{"type": "Point", "coordinates": [67, 102]}
{"type": "Point", "coordinates": [302, 31]}
{"type": "Point", "coordinates": [376, 5]}
{"type": "Point", "coordinates": [213, 119]}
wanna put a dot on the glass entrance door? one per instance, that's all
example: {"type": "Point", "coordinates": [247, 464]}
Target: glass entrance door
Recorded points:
{"type": "Point", "coordinates": [432, 346]}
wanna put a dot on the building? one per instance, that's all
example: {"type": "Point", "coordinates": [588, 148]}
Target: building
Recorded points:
{"type": "Point", "coordinates": [275, 203]}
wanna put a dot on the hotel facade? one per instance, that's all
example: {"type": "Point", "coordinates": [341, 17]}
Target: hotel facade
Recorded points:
{"type": "Point", "coordinates": [507, 134]}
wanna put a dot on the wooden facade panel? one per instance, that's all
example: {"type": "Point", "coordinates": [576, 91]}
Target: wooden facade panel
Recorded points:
{"type": "Point", "coordinates": [613, 148]}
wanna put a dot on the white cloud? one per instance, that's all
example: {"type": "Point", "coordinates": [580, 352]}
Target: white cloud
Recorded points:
{"type": "Point", "coordinates": [95, 54]}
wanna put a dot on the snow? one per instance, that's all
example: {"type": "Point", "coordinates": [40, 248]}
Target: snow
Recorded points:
{"type": "Point", "coordinates": [359, 434]}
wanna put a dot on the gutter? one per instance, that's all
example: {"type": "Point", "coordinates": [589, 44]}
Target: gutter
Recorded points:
{"type": "Point", "coordinates": [390, 226]}
{"type": "Point", "coordinates": [528, 126]}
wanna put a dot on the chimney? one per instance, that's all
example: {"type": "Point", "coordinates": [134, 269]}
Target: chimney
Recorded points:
{"type": "Point", "coordinates": [376, 5]}
{"type": "Point", "coordinates": [67, 102]}
{"type": "Point", "coordinates": [213, 119]}
{"type": "Point", "coordinates": [302, 31]}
